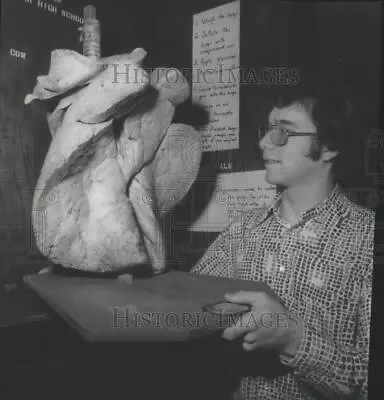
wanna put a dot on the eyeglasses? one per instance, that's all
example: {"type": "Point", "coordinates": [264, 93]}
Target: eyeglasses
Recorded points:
{"type": "Point", "coordinates": [280, 135]}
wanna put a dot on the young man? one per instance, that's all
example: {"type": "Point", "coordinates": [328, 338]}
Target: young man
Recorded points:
{"type": "Point", "coordinates": [314, 248]}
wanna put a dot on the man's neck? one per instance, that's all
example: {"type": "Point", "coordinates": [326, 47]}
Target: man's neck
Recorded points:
{"type": "Point", "coordinates": [299, 199]}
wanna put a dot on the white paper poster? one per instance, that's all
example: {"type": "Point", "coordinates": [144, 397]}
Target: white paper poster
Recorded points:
{"type": "Point", "coordinates": [216, 66]}
{"type": "Point", "coordinates": [235, 193]}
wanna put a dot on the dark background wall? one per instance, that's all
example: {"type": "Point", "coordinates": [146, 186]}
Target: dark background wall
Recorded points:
{"type": "Point", "coordinates": [28, 34]}
{"type": "Point", "coordinates": [339, 41]}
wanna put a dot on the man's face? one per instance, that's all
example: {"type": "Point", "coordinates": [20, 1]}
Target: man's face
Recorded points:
{"type": "Point", "coordinates": [289, 165]}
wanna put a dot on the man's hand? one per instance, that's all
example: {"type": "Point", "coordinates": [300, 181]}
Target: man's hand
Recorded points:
{"type": "Point", "coordinates": [269, 324]}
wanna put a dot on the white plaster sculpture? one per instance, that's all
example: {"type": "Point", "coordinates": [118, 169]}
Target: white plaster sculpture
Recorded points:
{"type": "Point", "coordinates": [104, 186]}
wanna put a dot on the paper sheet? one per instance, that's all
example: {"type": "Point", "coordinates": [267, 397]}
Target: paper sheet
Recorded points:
{"type": "Point", "coordinates": [215, 80]}
{"type": "Point", "coordinates": [235, 193]}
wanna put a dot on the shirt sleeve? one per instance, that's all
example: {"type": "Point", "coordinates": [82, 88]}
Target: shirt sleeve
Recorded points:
{"type": "Point", "coordinates": [329, 368]}
{"type": "Point", "coordinates": [222, 256]}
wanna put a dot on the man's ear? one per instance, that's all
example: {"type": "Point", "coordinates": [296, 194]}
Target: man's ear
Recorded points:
{"type": "Point", "coordinates": [329, 155]}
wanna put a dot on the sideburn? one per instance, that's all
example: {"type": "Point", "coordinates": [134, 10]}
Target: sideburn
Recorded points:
{"type": "Point", "coordinates": [314, 152]}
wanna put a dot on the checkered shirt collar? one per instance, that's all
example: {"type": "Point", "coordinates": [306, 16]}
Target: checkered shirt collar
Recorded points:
{"type": "Point", "coordinates": [336, 199]}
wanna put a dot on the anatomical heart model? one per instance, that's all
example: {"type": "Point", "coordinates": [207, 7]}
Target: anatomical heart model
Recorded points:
{"type": "Point", "coordinates": [116, 162]}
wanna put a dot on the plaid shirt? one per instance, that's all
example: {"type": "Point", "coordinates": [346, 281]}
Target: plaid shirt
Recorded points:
{"type": "Point", "coordinates": [321, 268]}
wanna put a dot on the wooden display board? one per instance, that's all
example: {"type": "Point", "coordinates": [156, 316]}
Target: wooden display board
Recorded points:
{"type": "Point", "coordinates": [167, 307]}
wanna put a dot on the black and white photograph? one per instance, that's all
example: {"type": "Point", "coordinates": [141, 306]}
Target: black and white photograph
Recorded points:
{"type": "Point", "coordinates": [191, 201]}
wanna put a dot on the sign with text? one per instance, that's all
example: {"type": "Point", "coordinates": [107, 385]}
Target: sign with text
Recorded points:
{"type": "Point", "coordinates": [235, 194]}
{"type": "Point", "coordinates": [215, 84]}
